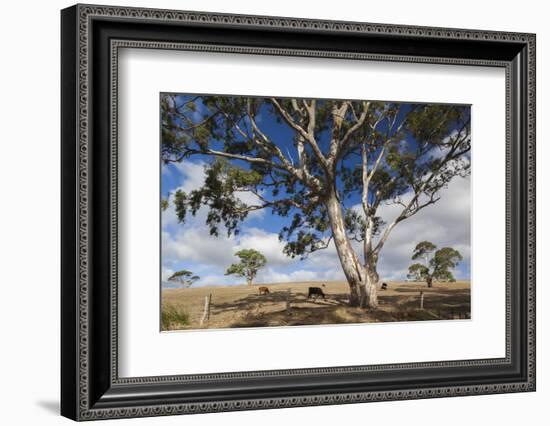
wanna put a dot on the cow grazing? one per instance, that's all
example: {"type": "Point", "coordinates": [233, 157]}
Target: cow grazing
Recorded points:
{"type": "Point", "coordinates": [263, 290]}
{"type": "Point", "coordinates": [315, 292]}
{"type": "Point", "coordinates": [384, 286]}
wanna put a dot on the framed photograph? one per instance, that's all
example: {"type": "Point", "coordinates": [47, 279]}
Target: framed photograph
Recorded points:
{"type": "Point", "coordinates": [263, 212]}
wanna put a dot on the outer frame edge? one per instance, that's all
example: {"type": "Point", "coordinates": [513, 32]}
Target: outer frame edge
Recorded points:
{"type": "Point", "coordinates": [69, 289]}
{"type": "Point", "coordinates": [84, 413]}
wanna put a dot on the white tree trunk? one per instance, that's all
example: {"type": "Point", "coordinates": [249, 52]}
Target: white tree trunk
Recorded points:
{"type": "Point", "coordinates": [371, 286]}
{"type": "Point", "coordinates": [369, 296]}
{"type": "Point", "coordinates": [348, 259]}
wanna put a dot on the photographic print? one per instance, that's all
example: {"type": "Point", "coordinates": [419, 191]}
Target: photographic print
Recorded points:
{"type": "Point", "coordinates": [290, 211]}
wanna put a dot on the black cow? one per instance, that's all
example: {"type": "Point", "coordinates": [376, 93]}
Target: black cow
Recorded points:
{"type": "Point", "coordinates": [316, 292]}
{"type": "Point", "coordinates": [384, 286]}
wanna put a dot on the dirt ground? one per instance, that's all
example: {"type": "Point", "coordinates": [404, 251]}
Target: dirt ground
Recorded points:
{"type": "Point", "coordinates": [243, 306]}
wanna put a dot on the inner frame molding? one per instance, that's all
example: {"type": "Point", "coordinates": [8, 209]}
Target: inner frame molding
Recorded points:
{"type": "Point", "coordinates": [116, 45]}
{"type": "Point", "coordinates": [91, 37]}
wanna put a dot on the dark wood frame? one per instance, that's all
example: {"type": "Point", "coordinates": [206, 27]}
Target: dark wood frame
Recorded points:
{"type": "Point", "coordinates": [90, 386]}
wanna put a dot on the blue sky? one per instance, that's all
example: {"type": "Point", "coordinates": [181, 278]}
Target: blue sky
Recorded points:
{"type": "Point", "coordinates": [190, 246]}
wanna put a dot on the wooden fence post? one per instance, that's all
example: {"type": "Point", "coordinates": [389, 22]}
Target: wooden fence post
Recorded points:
{"type": "Point", "coordinates": [206, 313]}
{"type": "Point", "coordinates": [288, 301]}
{"type": "Point", "coordinates": [421, 300]}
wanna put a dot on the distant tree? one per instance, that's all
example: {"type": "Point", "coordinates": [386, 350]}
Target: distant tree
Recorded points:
{"type": "Point", "coordinates": [438, 267]}
{"type": "Point", "coordinates": [423, 251]}
{"type": "Point", "coordinates": [184, 278]}
{"type": "Point", "coordinates": [251, 262]}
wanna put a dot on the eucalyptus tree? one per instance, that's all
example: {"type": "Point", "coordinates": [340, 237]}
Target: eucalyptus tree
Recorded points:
{"type": "Point", "coordinates": [326, 165]}
{"type": "Point", "coordinates": [184, 277]}
{"type": "Point", "coordinates": [251, 261]}
{"type": "Point", "coordinates": [435, 267]}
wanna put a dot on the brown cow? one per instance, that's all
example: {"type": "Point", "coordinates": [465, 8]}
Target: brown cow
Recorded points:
{"type": "Point", "coordinates": [263, 290]}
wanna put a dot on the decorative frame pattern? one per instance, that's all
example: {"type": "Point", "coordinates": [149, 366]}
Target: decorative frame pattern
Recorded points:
{"type": "Point", "coordinates": [109, 397]}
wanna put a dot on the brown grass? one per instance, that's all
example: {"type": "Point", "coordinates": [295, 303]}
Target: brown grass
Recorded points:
{"type": "Point", "coordinates": [243, 306]}
{"type": "Point", "coordinates": [173, 318]}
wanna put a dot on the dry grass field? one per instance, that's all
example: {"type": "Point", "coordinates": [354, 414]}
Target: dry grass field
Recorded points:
{"type": "Point", "coordinates": [243, 306]}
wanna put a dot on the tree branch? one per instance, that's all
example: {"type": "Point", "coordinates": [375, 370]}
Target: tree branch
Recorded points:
{"type": "Point", "coordinates": [269, 147]}
{"type": "Point", "coordinates": [360, 121]}
{"type": "Point", "coordinates": [336, 145]}
{"type": "Point", "coordinates": [268, 144]}
{"type": "Point", "coordinates": [407, 212]}
{"type": "Point", "coordinates": [309, 137]}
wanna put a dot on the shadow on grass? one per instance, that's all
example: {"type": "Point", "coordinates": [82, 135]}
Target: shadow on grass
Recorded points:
{"type": "Point", "coordinates": [246, 303]}
{"type": "Point", "coordinates": [329, 314]}
{"type": "Point", "coordinates": [438, 305]}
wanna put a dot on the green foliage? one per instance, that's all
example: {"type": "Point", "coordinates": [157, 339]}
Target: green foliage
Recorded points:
{"type": "Point", "coordinates": [173, 318]}
{"type": "Point", "coordinates": [443, 261]}
{"type": "Point", "coordinates": [184, 277]}
{"type": "Point", "coordinates": [418, 272]}
{"type": "Point", "coordinates": [438, 267]}
{"type": "Point", "coordinates": [222, 182]}
{"type": "Point", "coordinates": [300, 242]}
{"type": "Point", "coordinates": [356, 225]}
{"type": "Point", "coordinates": [423, 249]}
{"type": "Point", "coordinates": [251, 261]}
{"type": "Point", "coordinates": [163, 204]}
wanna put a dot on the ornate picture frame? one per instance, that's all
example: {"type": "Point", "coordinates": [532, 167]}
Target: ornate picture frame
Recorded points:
{"type": "Point", "coordinates": [91, 37]}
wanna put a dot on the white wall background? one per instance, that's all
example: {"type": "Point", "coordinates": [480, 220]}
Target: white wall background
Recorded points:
{"type": "Point", "coordinates": [29, 213]}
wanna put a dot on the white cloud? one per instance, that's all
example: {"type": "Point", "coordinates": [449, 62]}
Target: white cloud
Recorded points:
{"type": "Point", "coordinates": [192, 174]}
{"type": "Point", "coordinates": [197, 245]}
{"type": "Point", "coordinates": [214, 254]}
{"type": "Point", "coordinates": [266, 242]}
{"type": "Point", "coordinates": [216, 280]}
{"type": "Point", "coordinates": [446, 223]}
{"type": "Point", "coordinates": [271, 276]}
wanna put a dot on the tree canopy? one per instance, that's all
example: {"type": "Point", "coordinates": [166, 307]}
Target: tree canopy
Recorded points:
{"type": "Point", "coordinates": [184, 277]}
{"type": "Point", "coordinates": [438, 267]}
{"type": "Point", "coordinates": [251, 261]}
